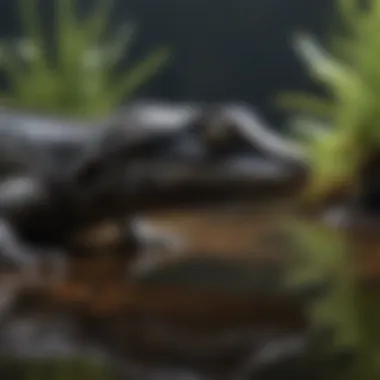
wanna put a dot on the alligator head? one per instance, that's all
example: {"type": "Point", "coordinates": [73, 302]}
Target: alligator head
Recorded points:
{"type": "Point", "coordinates": [138, 166]}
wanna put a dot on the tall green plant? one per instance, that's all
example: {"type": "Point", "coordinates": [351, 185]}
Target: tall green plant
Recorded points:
{"type": "Point", "coordinates": [350, 110]}
{"type": "Point", "coordinates": [81, 79]}
{"type": "Point", "coordinates": [341, 131]}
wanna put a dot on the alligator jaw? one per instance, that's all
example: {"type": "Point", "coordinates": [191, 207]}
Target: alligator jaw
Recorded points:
{"type": "Point", "coordinates": [150, 185]}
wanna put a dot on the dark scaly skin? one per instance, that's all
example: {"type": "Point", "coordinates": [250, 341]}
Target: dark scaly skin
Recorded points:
{"type": "Point", "coordinates": [66, 177]}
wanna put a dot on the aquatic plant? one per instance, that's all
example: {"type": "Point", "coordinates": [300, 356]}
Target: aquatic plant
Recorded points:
{"type": "Point", "coordinates": [340, 129]}
{"type": "Point", "coordinates": [82, 78]}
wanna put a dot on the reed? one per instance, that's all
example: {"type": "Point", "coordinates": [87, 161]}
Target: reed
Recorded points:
{"type": "Point", "coordinates": [83, 77]}
{"type": "Point", "coordinates": [340, 128]}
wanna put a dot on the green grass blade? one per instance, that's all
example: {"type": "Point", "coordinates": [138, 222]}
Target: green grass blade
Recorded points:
{"type": "Point", "coordinates": [66, 32]}
{"type": "Point", "coordinates": [324, 68]}
{"type": "Point", "coordinates": [29, 19]}
{"type": "Point", "coordinates": [307, 129]}
{"type": "Point", "coordinates": [305, 103]}
{"type": "Point", "coordinates": [138, 75]}
{"type": "Point", "coordinates": [120, 43]}
{"type": "Point", "coordinates": [350, 12]}
{"type": "Point", "coordinates": [13, 69]}
{"type": "Point", "coordinates": [347, 87]}
{"type": "Point", "coordinates": [28, 11]}
{"type": "Point", "coordinates": [96, 24]}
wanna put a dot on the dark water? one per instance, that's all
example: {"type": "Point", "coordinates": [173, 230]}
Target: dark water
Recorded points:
{"type": "Point", "coordinates": [220, 310]}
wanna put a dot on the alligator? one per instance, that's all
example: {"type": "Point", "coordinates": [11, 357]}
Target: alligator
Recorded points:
{"type": "Point", "coordinates": [60, 177]}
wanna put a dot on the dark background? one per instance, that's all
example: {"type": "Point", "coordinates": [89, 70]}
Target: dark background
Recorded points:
{"type": "Point", "coordinates": [223, 50]}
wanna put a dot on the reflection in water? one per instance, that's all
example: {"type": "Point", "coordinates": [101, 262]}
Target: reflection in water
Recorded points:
{"type": "Point", "coordinates": [245, 318]}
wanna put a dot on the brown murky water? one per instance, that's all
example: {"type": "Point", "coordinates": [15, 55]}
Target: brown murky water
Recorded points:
{"type": "Point", "coordinates": [233, 234]}
{"type": "Point", "coordinates": [153, 323]}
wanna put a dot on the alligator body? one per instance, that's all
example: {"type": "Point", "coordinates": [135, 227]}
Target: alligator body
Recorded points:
{"type": "Point", "coordinates": [59, 177]}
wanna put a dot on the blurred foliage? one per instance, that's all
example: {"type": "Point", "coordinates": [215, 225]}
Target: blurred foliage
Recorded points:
{"type": "Point", "coordinates": [341, 129]}
{"type": "Point", "coordinates": [348, 308]}
{"type": "Point", "coordinates": [81, 79]}
{"type": "Point", "coordinates": [326, 258]}
{"type": "Point", "coordinates": [323, 257]}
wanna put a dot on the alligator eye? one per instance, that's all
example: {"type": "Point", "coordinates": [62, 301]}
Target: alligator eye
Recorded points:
{"type": "Point", "coordinates": [216, 132]}
{"type": "Point", "coordinates": [220, 131]}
